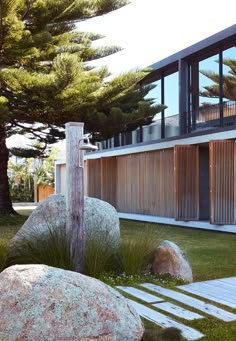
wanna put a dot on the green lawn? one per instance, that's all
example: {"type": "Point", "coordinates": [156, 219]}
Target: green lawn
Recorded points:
{"type": "Point", "coordinates": [211, 254]}
{"type": "Point", "coordinates": [9, 225]}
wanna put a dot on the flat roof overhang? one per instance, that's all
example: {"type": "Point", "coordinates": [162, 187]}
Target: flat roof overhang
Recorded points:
{"type": "Point", "coordinates": [170, 64]}
{"type": "Point", "coordinates": [198, 137]}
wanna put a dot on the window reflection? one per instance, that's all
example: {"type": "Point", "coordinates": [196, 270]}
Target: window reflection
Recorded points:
{"type": "Point", "coordinates": [229, 74]}
{"type": "Point", "coordinates": [209, 81]}
{"type": "Point", "coordinates": [209, 89]}
{"type": "Point", "coordinates": [155, 94]}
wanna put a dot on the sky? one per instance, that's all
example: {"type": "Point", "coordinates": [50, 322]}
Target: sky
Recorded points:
{"type": "Point", "coordinates": [150, 30]}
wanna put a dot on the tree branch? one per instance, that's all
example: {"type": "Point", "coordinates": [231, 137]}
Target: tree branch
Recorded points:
{"type": "Point", "coordinates": [28, 8]}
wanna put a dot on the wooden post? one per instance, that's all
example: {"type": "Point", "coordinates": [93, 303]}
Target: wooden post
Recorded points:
{"type": "Point", "coordinates": [75, 194]}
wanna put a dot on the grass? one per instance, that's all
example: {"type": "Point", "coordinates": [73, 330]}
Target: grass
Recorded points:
{"type": "Point", "coordinates": [49, 248]}
{"type": "Point", "coordinates": [9, 225]}
{"type": "Point", "coordinates": [211, 254]}
{"type": "Point", "coordinates": [135, 251]}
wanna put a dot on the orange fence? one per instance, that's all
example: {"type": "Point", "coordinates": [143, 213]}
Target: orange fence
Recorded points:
{"type": "Point", "coordinates": [44, 192]}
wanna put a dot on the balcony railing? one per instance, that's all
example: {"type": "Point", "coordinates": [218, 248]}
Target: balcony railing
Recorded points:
{"type": "Point", "coordinates": [210, 116]}
{"type": "Point", "coordinates": [207, 117]}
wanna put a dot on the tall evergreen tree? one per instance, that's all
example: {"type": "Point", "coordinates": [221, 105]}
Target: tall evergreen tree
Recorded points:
{"type": "Point", "coordinates": [45, 81]}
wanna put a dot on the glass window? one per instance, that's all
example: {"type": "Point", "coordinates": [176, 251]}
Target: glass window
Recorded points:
{"type": "Point", "coordinates": [171, 94]}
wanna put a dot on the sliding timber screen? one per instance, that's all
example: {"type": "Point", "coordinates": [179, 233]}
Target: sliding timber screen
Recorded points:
{"type": "Point", "coordinates": [93, 168]}
{"type": "Point", "coordinates": [222, 182]}
{"type": "Point", "coordinates": [186, 182]}
{"type": "Point", "coordinates": [145, 183]}
{"type": "Point", "coordinates": [108, 179]}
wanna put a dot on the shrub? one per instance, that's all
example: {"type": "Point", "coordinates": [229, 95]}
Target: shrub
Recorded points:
{"type": "Point", "coordinates": [100, 256]}
{"type": "Point", "coordinates": [168, 334]}
{"type": "Point", "coordinates": [50, 248]}
{"type": "Point", "coordinates": [135, 251]}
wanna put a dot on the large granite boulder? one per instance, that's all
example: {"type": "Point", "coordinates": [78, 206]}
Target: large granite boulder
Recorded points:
{"type": "Point", "coordinates": [169, 258]}
{"type": "Point", "coordinates": [100, 219]}
{"type": "Point", "coordinates": [38, 302]}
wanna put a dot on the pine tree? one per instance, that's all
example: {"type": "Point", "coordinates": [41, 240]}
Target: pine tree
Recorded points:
{"type": "Point", "coordinates": [45, 81]}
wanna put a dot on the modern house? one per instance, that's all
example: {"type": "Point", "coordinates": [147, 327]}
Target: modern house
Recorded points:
{"type": "Point", "coordinates": [181, 169]}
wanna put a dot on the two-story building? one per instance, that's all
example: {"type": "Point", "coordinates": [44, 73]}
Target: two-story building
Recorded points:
{"type": "Point", "coordinates": [181, 169]}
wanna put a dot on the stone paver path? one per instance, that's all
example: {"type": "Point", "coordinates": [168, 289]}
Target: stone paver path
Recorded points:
{"type": "Point", "coordinates": [218, 290]}
{"type": "Point", "coordinates": [156, 298]}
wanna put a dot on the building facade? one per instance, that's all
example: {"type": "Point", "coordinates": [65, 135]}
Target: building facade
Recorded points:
{"type": "Point", "coordinates": [183, 165]}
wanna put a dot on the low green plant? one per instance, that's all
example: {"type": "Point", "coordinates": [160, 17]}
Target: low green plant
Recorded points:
{"type": "Point", "coordinates": [49, 247]}
{"type": "Point", "coordinates": [3, 252]}
{"type": "Point", "coordinates": [100, 254]}
{"type": "Point", "coordinates": [168, 334]}
{"type": "Point", "coordinates": [114, 279]}
{"type": "Point", "coordinates": [136, 251]}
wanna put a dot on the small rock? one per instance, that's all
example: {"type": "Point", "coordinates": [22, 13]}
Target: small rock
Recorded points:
{"type": "Point", "coordinates": [169, 258]}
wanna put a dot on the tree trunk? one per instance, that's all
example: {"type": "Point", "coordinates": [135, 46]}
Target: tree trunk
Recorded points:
{"type": "Point", "coordinates": [5, 198]}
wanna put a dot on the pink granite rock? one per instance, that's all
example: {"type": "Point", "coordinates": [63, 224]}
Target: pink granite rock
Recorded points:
{"type": "Point", "coordinates": [38, 302]}
{"type": "Point", "coordinates": [169, 258]}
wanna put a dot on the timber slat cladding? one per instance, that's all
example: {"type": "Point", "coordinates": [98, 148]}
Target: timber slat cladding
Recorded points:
{"type": "Point", "coordinates": [94, 178]}
{"type": "Point", "coordinates": [108, 179]}
{"type": "Point", "coordinates": [145, 183]}
{"type": "Point", "coordinates": [222, 181]}
{"type": "Point", "coordinates": [187, 182]}
{"type": "Point", "coordinates": [124, 184]}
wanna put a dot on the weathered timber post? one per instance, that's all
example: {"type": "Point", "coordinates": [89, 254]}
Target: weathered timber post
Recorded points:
{"type": "Point", "coordinates": [75, 194]}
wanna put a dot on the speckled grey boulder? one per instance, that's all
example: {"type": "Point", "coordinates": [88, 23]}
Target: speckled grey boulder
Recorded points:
{"type": "Point", "coordinates": [100, 218]}
{"type": "Point", "coordinates": [42, 303]}
{"type": "Point", "coordinates": [169, 258]}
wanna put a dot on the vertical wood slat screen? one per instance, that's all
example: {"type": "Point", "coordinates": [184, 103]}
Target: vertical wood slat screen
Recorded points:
{"type": "Point", "coordinates": [108, 179]}
{"type": "Point", "coordinates": [222, 181]}
{"type": "Point", "coordinates": [145, 183]}
{"type": "Point", "coordinates": [123, 190]}
{"type": "Point", "coordinates": [187, 182]}
{"type": "Point", "coordinates": [94, 178]}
